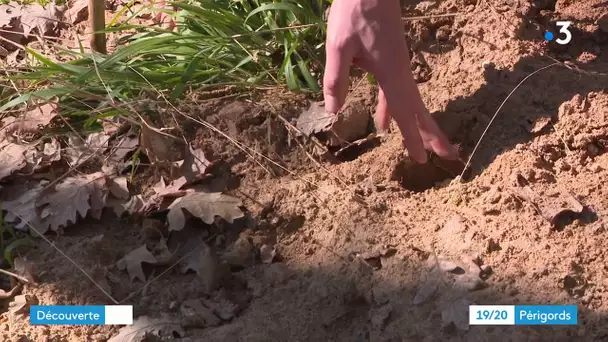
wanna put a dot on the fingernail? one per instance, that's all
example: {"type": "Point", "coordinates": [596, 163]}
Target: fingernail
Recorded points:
{"type": "Point", "coordinates": [420, 158]}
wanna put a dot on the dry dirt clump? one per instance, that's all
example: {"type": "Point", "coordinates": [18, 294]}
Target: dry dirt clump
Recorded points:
{"type": "Point", "coordinates": [346, 239]}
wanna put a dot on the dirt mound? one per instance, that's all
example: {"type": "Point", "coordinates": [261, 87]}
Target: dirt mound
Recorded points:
{"type": "Point", "coordinates": [359, 240]}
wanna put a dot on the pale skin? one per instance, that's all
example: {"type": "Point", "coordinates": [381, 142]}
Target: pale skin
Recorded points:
{"type": "Point", "coordinates": [369, 34]}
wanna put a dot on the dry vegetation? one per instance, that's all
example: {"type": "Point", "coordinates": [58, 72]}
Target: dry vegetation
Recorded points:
{"type": "Point", "coordinates": [192, 173]}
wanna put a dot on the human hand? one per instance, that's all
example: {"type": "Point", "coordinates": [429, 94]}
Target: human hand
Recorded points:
{"type": "Point", "coordinates": [369, 34]}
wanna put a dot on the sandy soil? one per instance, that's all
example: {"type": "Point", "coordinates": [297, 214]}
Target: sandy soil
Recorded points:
{"type": "Point", "coordinates": [357, 238]}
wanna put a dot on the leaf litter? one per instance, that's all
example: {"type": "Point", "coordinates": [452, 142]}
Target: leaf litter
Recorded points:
{"type": "Point", "coordinates": [31, 121]}
{"type": "Point", "coordinates": [157, 146]}
{"type": "Point", "coordinates": [205, 206]}
{"type": "Point", "coordinates": [133, 260]}
{"type": "Point", "coordinates": [24, 19]}
{"type": "Point", "coordinates": [22, 211]}
{"type": "Point", "coordinates": [54, 206]}
{"type": "Point", "coordinates": [195, 164]}
{"type": "Point", "coordinates": [12, 158]}
{"type": "Point", "coordinates": [315, 120]}
{"type": "Point", "coordinates": [559, 208]}
{"type": "Point", "coordinates": [73, 197]}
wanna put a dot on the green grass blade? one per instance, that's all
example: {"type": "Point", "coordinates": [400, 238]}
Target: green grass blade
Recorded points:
{"type": "Point", "coordinates": [186, 77]}
{"type": "Point", "coordinates": [279, 6]}
{"type": "Point", "coordinates": [8, 251]}
{"type": "Point", "coordinates": [45, 94]}
{"type": "Point", "coordinates": [310, 80]}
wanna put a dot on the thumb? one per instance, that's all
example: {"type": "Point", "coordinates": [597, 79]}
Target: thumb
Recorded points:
{"type": "Point", "coordinates": [336, 78]}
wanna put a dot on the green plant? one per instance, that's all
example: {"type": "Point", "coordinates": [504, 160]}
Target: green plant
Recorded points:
{"type": "Point", "coordinates": [245, 43]}
{"type": "Point", "coordinates": [11, 240]}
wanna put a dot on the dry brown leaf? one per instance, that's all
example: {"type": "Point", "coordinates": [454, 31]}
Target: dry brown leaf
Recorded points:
{"type": "Point", "coordinates": [427, 289]}
{"type": "Point", "coordinates": [205, 206]}
{"type": "Point", "coordinates": [8, 12]}
{"type": "Point", "coordinates": [134, 205]}
{"type": "Point", "coordinates": [77, 12]}
{"type": "Point", "coordinates": [76, 152]}
{"type": "Point", "coordinates": [123, 147]}
{"type": "Point", "coordinates": [557, 208]}
{"type": "Point", "coordinates": [12, 58]}
{"type": "Point", "coordinates": [538, 126]}
{"type": "Point", "coordinates": [52, 151]}
{"type": "Point", "coordinates": [79, 151]}
{"type": "Point", "coordinates": [37, 158]}
{"type": "Point", "coordinates": [32, 121]}
{"type": "Point", "coordinates": [119, 188]}
{"type": "Point", "coordinates": [156, 145]}
{"type": "Point", "coordinates": [194, 165]}
{"type": "Point", "coordinates": [72, 197]}
{"type": "Point", "coordinates": [98, 141]}
{"type": "Point", "coordinates": [132, 262]}
{"type": "Point", "coordinates": [43, 20]}
{"type": "Point", "coordinates": [352, 124]}
{"type": "Point", "coordinates": [144, 327]}
{"type": "Point", "coordinates": [570, 206]}
{"type": "Point", "coordinates": [12, 158]}
{"type": "Point", "coordinates": [315, 120]}
{"type": "Point", "coordinates": [171, 190]}
{"type": "Point", "coordinates": [22, 210]}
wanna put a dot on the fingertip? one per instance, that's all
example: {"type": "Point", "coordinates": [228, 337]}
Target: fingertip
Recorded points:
{"type": "Point", "coordinates": [446, 150]}
{"type": "Point", "coordinates": [420, 156]}
{"type": "Point", "coordinates": [332, 104]}
{"type": "Point", "coordinates": [382, 117]}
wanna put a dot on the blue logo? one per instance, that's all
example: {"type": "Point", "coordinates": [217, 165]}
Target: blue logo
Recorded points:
{"type": "Point", "coordinates": [546, 315]}
{"type": "Point", "coordinates": [81, 314]}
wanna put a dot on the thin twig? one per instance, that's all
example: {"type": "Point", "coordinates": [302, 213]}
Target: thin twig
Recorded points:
{"type": "Point", "coordinates": [296, 129]}
{"type": "Point", "coordinates": [20, 278]}
{"type": "Point", "coordinates": [145, 286]}
{"type": "Point", "coordinates": [433, 16]}
{"type": "Point", "coordinates": [496, 114]}
{"type": "Point", "coordinates": [313, 159]}
{"type": "Point", "coordinates": [213, 128]}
